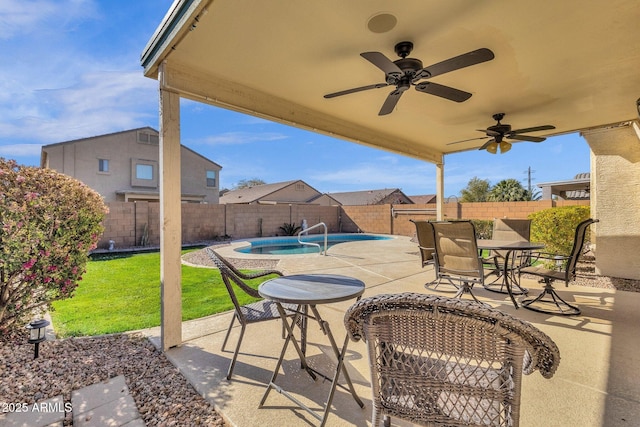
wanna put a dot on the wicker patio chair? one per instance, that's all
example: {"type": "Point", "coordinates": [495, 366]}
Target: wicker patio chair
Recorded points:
{"type": "Point", "coordinates": [507, 229]}
{"type": "Point", "coordinates": [565, 269]}
{"type": "Point", "coordinates": [457, 257]}
{"type": "Point", "coordinates": [447, 362]}
{"type": "Point", "coordinates": [259, 311]}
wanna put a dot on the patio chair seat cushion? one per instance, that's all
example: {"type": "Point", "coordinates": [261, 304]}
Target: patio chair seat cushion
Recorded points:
{"type": "Point", "coordinates": [539, 270]}
{"type": "Point", "coordinates": [263, 310]}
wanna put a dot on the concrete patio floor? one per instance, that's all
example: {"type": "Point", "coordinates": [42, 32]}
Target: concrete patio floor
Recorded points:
{"type": "Point", "coordinates": [597, 382]}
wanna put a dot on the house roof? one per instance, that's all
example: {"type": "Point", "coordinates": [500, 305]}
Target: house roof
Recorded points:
{"type": "Point", "coordinates": [577, 188]}
{"type": "Point", "coordinates": [257, 193]}
{"type": "Point", "coordinates": [365, 197]}
{"type": "Point", "coordinates": [107, 135]}
{"type": "Point", "coordinates": [423, 199]}
{"type": "Point", "coordinates": [570, 64]}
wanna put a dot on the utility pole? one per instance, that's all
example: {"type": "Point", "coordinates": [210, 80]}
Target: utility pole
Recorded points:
{"type": "Point", "coordinates": [529, 172]}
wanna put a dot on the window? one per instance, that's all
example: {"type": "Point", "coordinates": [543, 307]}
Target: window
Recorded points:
{"type": "Point", "coordinates": [211, 179]}
{"type": "Point", "coordinates": [103, 165]}
{"type": "Point", "coordinates": [148, 138]}
{"type": "Point", "coordinates": [144, 171]}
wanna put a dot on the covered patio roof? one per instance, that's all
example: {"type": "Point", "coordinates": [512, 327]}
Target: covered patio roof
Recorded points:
{"type": "Point", "coordinates": [572, 64]}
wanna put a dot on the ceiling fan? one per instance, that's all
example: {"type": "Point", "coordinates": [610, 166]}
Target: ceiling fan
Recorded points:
{"type": "Point", "coordinates": [406, 72]}
{"type": "Point", "coordinates": [498, 132]}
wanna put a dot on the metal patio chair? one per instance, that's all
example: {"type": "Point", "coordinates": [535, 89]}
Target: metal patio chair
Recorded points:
{"type": "Point", "coordinates": [443, 361]}
{"type": "Point", "coordinates": [552, 267]}
{"type": "Point", "coordinates": [255, 312]}
{"type": "Point", "coordinates": [456, 256]}
{"type": "Point", "coordinates": [507, 229]}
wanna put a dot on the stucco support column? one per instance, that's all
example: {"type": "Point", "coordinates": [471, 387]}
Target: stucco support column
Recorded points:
{"type": "Point", "coordinates": [170, 215]}
{"type": "Point", "coordinates": [440, 190]}
{"type": "Point", "coordinates": [615, 198]}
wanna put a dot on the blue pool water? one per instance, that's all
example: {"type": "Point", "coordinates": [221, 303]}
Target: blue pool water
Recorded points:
{"type": "Point", "coordinates": [290, 245]}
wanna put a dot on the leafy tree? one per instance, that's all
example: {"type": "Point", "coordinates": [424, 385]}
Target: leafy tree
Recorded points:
{"type": "Point", "coordinates": [508, 190]}
{"type": "Point", "coordinates": [248, 183]}
{"type": "Point", "coordinates": [50, 222]}
{"type": "Point", "coordinates": [477, 190]}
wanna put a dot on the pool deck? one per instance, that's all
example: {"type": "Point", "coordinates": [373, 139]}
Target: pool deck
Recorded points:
{"type": "Point", "coordinates": [597, 382]}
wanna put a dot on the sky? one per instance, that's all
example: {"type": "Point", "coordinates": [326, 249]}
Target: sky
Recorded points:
{"type": "Point", "coordinates": [70, 69]}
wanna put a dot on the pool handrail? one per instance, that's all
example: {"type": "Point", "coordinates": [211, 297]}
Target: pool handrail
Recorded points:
{"type": "Point", "coordinates": [306, 231]}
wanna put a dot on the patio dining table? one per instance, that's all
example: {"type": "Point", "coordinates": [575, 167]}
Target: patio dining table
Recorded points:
{"type": "Point", "coordinates": [307, 291]}
{"type": "Point", "coordinates": [508, 276]}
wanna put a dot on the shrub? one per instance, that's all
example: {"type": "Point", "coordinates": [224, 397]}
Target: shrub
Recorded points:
{"type": "Point", "coordinates": [484, 228]}
{"type": "Point", "coordinates": [290, 229]}
{"type": "Point", "coordinates": [556, 227]}
{"type": "Point", "coordinates": [50, 222]}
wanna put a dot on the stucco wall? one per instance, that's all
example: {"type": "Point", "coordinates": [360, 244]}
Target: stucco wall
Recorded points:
{"type": "Point", "coordinates": [615, 175]}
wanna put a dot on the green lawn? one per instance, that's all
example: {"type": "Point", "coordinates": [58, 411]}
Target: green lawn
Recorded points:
{"type": "Point", "coordinates": [123, 294]}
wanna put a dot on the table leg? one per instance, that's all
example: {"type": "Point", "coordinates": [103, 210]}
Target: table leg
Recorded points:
{"type": "Point", "coordinates": [290, 338]}
{"type": "Point", "coordinates": [340, 367]}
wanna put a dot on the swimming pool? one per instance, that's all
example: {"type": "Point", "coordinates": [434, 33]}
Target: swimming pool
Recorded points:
{"type": "Point", "coordinates": [289, 245]}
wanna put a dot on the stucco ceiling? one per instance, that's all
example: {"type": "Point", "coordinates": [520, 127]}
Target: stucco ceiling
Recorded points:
{"type": "Point", "coordinates": [572, 64]}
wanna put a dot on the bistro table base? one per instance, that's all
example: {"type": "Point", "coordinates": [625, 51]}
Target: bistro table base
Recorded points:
{"type": "Point", "coordinates": [313, 373]}
{"type": "Point", "coordinates": [307, 291]}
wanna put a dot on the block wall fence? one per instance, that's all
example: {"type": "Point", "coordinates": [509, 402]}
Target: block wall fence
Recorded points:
{"type": "Point", "coordinates": [134, 224]}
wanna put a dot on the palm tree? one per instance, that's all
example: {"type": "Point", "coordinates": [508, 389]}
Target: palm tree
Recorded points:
{"type": "Point", "coordinates": [508, 190]}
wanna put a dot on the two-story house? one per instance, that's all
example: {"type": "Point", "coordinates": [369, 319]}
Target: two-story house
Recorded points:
{"type": "Point", "coordinates": [124, 166]}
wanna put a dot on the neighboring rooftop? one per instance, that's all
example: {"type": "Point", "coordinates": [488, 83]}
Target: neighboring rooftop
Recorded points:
{"type": "Point", "coordinates": [578, 188]}
{"type": "Point", "coordinates": [372, 197]}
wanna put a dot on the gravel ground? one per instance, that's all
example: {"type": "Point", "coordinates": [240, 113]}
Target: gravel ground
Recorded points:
{"type": "Point", "coordinates": [163, 396]}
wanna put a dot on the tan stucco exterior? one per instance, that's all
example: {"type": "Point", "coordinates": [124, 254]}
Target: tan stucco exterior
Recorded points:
{"type": "Point", "coordinates": [123, 151]}
{"type": "Point", "coordinates": [615, 176]}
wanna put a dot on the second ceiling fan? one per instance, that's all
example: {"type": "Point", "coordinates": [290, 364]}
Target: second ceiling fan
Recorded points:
{"type": "Point", "coordinates": [406, 72]}
{"type": "Point", "coordinates": [498, 132]}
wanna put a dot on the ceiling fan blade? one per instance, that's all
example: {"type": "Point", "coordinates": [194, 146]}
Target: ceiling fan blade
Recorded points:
{"type": "Point", "coordinates": [461, 61]}
{"type": "Point", "coordinates": [356, 89]}
{"type": "Point", "coordinates": [533, 129]}
{"type": "Point", "coordinates": [384, 63]}
{"type": "Point", "coordinates": [490, 132]}
{"type": "Point", "coordinates": [526, 138]}
{"type": "Point", "coordinates": [391, 101]}
{"type": "Point", "coordinates": [465, 140]}
{"type": "Point", "coordinates": [486, 144]}
{"type": "Point", "coordinates": [443, 91]}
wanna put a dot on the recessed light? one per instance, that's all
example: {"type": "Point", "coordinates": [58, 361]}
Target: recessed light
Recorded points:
{"type": "Point", "coordinates": [382, 22]}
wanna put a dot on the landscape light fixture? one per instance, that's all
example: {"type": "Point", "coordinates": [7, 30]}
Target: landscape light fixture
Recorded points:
{"type": "Point", "coordinates": [37, 330]}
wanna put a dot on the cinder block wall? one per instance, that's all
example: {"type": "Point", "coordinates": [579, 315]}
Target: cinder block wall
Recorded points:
{"type": "Point", "coordinates": [129, 223]}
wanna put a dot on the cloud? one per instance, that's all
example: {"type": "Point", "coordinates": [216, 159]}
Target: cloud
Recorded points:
{"type": "Point", "coordinates": [383, 172]}
{"type": "Point", "coordinates": [20, 150]}
{"type": "Point", "coordinates": [238, 138]}
{"type": "Point", "coordinates": [18, 17]}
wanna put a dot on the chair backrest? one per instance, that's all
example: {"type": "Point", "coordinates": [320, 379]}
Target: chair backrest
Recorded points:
{"type": "Point", "coordinates": [511, 229]}
{"type": "Point", "coordinates": [443, 361]}
{"type": "Point", "coordinates": [457, 249]}
{"type": "Point", "coordinates": [424, 232]}
{"type": "Point", "coordinates": [229, 276]}
{"type": "Point", "coordinates": [576, 249]}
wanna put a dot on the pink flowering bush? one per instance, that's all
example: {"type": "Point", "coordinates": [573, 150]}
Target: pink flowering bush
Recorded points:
{"type": "Point", "coordinates": [48, 224]}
